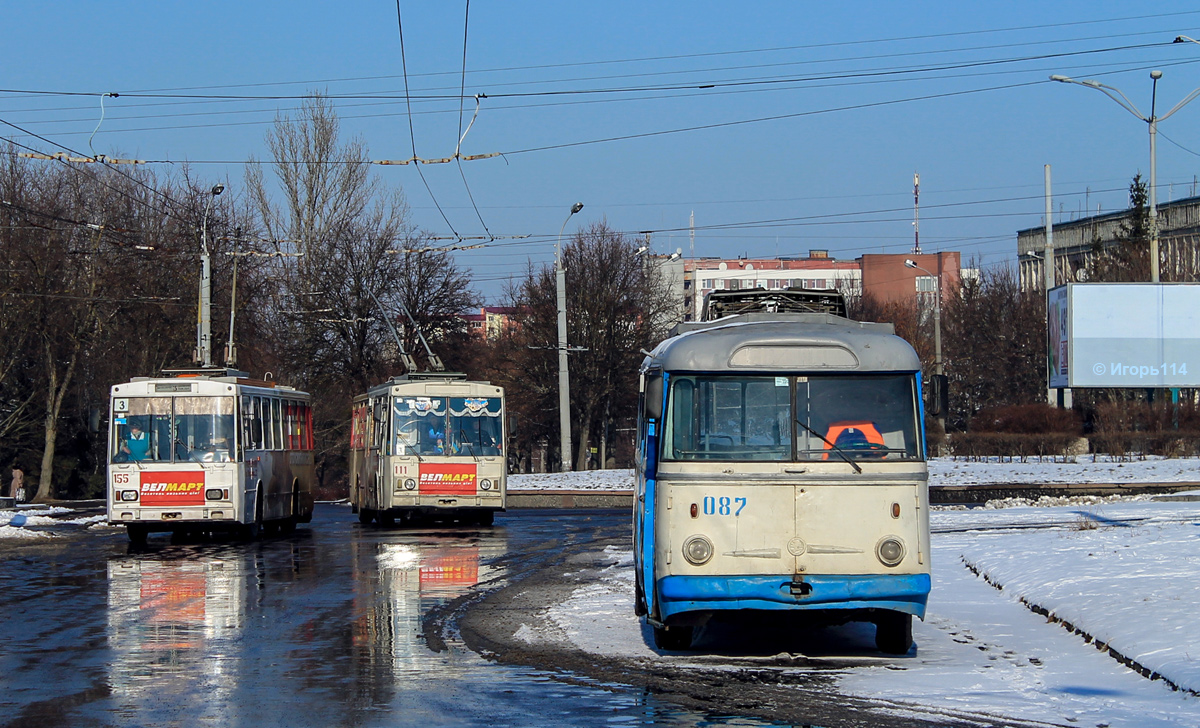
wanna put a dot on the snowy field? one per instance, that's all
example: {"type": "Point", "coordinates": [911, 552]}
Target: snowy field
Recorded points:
{"type": "Point", "coordinates": [1123, 573]}
{"type": "Point", "coordinates": [942, 471]}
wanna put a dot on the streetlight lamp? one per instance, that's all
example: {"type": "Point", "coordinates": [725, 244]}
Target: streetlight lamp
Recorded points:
{"type": "Point", "coordinates": [937, 332]}
{"type": "Point", "coordinates": [564, 377]}
{"type": "Point", "coordinates": [204, 318]}
{"type": "Point", "coordinates": [1152, 123]}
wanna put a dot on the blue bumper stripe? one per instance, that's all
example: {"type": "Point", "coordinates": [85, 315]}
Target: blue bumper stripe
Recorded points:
{"type": "Point", "coordinates": [901, 592]}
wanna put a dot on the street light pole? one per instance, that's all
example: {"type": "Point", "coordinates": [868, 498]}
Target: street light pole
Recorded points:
{"type": "Point", "coordinates": [564, 376]}
{"type": "Point", "coordinates": [204, 316]}
{"type": "Point", "coordinates": [1152, 123]}
{"type": "Point", "coordinates": [937, 327]}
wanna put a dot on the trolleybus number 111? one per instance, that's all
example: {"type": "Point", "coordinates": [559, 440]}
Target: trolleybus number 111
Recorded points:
{"type": "Point", "coordinates": [723, 506]}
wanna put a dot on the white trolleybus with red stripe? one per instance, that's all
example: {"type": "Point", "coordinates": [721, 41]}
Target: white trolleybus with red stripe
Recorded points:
{"type": "Point", "coordinates": [209, 450]}
{"type": "Point", "coordinates": [427, 446]}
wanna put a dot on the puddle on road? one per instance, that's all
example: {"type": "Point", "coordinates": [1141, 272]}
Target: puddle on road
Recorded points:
{"type": "Point", "coordinates": [329, 627]}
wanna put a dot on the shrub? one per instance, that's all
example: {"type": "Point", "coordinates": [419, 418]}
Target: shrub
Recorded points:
{"type": "Point", "coordinates": [1027, 419]}
{"type": "Point", "coordinates": [975, 445]}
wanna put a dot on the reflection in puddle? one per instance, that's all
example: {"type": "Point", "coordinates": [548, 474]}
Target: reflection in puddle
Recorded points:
{"type": "Point", "coordinates": [401, 580]}
{"type": "Point", "coordinates": [172, 627]}
{"type": "Point", "coordinates": [340, 627]}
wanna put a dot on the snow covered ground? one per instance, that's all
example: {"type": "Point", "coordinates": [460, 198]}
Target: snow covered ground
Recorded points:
{"type": "Point", "coordinates": [942, 471]}
{"type": "Point", "coordinates": [1121, 573]}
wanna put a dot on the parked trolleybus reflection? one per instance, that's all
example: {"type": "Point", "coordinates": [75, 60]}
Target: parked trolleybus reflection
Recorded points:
{"type": "Point", "coordinates": [428, 445]}
{"type": "Point", "coordinates": [209, 450]}
{"type": "Point", "coordinates": [781, 467]}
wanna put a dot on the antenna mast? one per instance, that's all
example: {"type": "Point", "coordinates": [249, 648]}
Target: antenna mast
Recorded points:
{"type": "Point", "coordinates": [692, 234]}
{"type": "Point", "coordinates": [916, 214]}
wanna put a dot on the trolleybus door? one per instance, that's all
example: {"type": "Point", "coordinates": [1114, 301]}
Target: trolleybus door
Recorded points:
{"type": "Point", "coordinates": [651, 422]}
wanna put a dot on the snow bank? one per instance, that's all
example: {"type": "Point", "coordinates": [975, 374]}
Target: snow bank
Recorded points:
{"type": "Point", "coordinates": [942, 472]}
{"type": "Point", "coordinates": [1123, 574]}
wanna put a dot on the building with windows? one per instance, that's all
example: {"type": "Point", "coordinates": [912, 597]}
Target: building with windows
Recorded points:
{"type": "Point", "coordinates": [882, 276]}
{"type": "Point", "coordinates": [1075, 243]}
{"type": "Point", "coordinates": [701, 276]}
{"type": "Point", "coordinates": [491, 321]}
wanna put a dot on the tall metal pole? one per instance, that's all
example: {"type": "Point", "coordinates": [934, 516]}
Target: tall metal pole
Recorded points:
{"type": "Point", "coordinates": [1153, 124]}
{"type": "Point", "coordinates": [564, 376]}
{"type": "Point", "coordinates": [204, 322]}
{"type": "Point", "coordinates": [1048, 275]}
{"type": "Point", "coordinates": [937, 323]}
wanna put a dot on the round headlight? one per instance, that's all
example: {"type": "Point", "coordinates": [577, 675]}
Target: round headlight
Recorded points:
{"type": "Point", "coordinates": [890, 550]}
{"type": "Point", "coordinates": [485, 484]}
{"type": "Point", "coordinates": [410, 484]}
{"type": "Point", "coordinates": [697, 550]}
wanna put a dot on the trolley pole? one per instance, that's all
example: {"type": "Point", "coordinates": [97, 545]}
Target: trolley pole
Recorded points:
{"type": "Point", "coordinates": [204, 317]}
{"type": "Point", "coordinates": [564, 376]}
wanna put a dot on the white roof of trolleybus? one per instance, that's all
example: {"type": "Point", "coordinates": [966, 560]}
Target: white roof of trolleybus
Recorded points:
{"type": "Point", "coordinates": [436, 384]}
{"type": "Point", "coordinates": [796, 342]}
{"type": "Point", "coordinates": [205, 385]}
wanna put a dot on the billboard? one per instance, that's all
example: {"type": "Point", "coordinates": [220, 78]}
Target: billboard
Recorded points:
{"type": "Point", "coordinates": [1124, 335]}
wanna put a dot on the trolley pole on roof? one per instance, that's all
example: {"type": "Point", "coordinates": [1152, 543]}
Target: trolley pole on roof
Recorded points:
{"type": "Point", "coordinates": [204, 315]}
{"type": "Point", "coordinates": [564, 376]}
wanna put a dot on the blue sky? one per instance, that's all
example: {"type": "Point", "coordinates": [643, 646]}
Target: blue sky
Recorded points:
{"type": "Point", "coordinates": [871, 92]}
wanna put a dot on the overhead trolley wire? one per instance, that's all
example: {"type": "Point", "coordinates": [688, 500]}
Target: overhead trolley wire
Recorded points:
{"type": "Point", "coordinates": [461, 134]}
{"type": "Point", "coordinates": [411, 134]}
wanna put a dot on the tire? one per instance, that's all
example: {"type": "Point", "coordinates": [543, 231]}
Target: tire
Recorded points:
{"type": "Point", "coordinates": [365, 515]}
{"type": "Point", "coordinates": [675, 639]}
{"type": "Point", "coordinates": [893, 633]}
{"type": "Point", "coordinates": [485, 518]}
{"type": "Point", "coordinates": [639, 598]}
{"type": "Point", "coordinates": [387, 519]}
{"type": "Point", "coordinates": [287, 526]}
{"type": "Point", "coordinates": [137, 534]}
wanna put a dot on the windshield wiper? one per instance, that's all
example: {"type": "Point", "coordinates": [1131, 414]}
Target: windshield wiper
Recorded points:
{"type": "Point", "coordinates": [464, 442]}
{"type": "Point", "coordinates": [835, 448]}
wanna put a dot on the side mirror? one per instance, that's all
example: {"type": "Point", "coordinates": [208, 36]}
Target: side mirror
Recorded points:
{"type": "Point", "coordinates": [939, 395]}
{"type": "Point", "coordinates": [654, 396]}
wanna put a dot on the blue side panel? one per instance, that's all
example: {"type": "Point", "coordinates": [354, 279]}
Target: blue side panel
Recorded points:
{"type": "Point", "coordinates": [906, 593]}
{"type": "Point", "coordinates": [921, 417]}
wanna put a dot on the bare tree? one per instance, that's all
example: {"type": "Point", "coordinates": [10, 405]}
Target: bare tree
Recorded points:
{"type": "Point", "coordinates": [615, 308]}
{"type": "Point", "coordinates": [343, 235]}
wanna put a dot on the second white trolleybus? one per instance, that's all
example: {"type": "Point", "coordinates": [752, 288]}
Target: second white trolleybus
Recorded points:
{"type": "Point", "coordinates": [428, 445]}
{"type": "Point", "coordinates": [206, 450]}
{"type": "Point", "coordinates": [781, 468]}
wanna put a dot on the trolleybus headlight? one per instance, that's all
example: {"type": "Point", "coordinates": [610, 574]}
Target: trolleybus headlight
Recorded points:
{"type": "Point", "coordinates": [129, 495]}
{"type": "Point", "coordinates": [485, 484]}
{"type": "Point", "coordinates": [213, 494]}
{"type": "Point", "coordinates": [890, 550]}
{"type": "Point", "coordinates": [410, 484]}
{"type": "Point", "coordinates": [697, 550]}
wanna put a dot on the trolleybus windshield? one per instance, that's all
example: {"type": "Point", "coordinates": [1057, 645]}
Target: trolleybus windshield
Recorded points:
{"type": "Point", "coordinates": [447, 426]}
{"type": "Point", "coordinates": [172, 429]}
{"type": "Point", "coordinates": [866, 417]}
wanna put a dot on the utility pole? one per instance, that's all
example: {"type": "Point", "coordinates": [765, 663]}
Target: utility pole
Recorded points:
{"type": "Point", "coordinates": [564, 377]}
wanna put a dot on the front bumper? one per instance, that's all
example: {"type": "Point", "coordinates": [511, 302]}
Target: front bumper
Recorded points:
{"type": "Point", "coordinates": [907, 593]}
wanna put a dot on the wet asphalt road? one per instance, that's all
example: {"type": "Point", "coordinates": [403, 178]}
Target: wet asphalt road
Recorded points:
{"type": "Point", "coordinates": [335, 625]}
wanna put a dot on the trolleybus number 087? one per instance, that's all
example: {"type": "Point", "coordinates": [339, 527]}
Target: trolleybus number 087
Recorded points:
{"type": "Point", "coordinates": [723, 506]}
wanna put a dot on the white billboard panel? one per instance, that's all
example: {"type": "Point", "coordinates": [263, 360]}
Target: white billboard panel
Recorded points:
{"type": "Point", "coordinates": [1126, 335]}
{"type": "Point", "coordinates": [1057, 344]}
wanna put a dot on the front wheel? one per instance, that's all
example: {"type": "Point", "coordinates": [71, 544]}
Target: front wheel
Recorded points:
{"type": "Point", "coordinates": [675, 639]}
{"type": "Point", "coordinates": [137, 533]}
{"type": "Point", "coordinates": [365, 515]}
{"type": "Point", "coordinates": [893, 633]}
